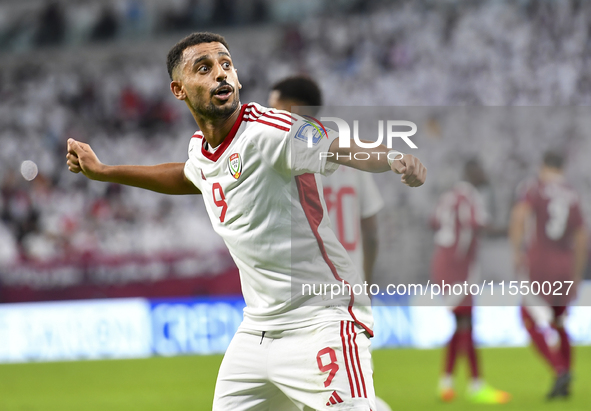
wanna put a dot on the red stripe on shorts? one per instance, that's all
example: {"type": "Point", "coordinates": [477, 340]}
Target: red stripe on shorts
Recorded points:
{"type": "Point", "coordinates": [346, 360]}
{"type": "Point", "coordinates": [349, 323]}
{"type": "Point", "coordinates": [358, 362]}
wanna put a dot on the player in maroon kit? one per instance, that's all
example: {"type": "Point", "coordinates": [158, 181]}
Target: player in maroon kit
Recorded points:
{"type": "Point", "coordinates": [458, 218]}
{"type": "Point", "coordinates": [556, 253]}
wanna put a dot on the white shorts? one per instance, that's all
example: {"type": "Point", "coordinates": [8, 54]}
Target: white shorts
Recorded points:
{"type": "Point", "coordinates": [320, 367]}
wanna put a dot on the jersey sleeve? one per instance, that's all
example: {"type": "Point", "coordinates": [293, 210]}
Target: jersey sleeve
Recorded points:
{"type": "Point", "coordinates": [192, 172]}
{"type": "Point", "coordinates": [311, 157]}
{"type": "Point", "coordinates": [370, 199]}
{"type": "Point", "coordinates": [300, 149]}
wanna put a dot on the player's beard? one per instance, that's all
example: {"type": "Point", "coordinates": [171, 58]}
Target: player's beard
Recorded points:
{"type": "Point", "coordinates": [215, 112]}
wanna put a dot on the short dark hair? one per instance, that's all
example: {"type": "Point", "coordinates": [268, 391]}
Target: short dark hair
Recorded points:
{"type": "Point", "coordinates": [300, 88]}
{"type": "Point", "coordinates": [176, 52]}
{"type": "Point", "coordinates": [554, 159]}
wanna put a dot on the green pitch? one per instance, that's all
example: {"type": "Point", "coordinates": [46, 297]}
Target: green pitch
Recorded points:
{"type": "Point", "coordinates": [406, 379]}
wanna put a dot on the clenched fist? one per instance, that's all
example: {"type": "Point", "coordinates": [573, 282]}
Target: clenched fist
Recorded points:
{"type": "Point", "coordinates": [81, 158]}
{"type": "Point", "coordinates": [413, 171]}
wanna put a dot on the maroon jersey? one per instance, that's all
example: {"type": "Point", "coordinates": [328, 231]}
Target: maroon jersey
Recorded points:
{"type": "Point", "coordinates": [457, 219]}
{"type": "Point", "coordinates": [557, 216]}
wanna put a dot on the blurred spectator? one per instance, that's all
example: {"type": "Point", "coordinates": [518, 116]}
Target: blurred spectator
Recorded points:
{"type": "Point", "coordinates": [224, 12]}
{"type": "Point", "coordinates": [293, 42]}
{"type": "Point", "coordinates": [107, 26]}
{"type": "Point", "coordinates": [135, 15]}
{"type": "Point", "coordinates": [179, 15]}
{"type": "Point", "coordinates": [51, 27]}
{"type": "Point", "coordinates": [132, 105]}
{"type": "Point", "coordinates": [260, 12]}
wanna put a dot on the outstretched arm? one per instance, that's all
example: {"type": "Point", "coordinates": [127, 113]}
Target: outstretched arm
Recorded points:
{"type": "Point", "coordinates": [375, 160]}
{"type": "Point", "coordinates": [166, 178]}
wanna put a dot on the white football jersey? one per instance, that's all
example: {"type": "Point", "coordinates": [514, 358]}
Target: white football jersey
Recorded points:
{"type": "Point", "coordinates": [264, 197]}
{"type": "Point", "coordinates": [350, 196]}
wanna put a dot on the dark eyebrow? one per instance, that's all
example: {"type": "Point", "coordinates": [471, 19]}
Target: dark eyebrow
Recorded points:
{"type": "Point", "coordinates": [205, 57]}
{"type": "Point", "coordinates": [200, 59]}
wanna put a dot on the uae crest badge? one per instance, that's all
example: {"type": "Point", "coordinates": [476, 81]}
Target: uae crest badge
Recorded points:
{"type": "Point", "coordinates": [235, 165]}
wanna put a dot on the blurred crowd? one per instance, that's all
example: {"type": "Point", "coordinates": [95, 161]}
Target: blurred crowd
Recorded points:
{"type": "Point", "coordinates": [124, 112]}
{"type": "Point", "coordinates": [42, 23]}
{"type": "Point", "coordinates": [394, 53]}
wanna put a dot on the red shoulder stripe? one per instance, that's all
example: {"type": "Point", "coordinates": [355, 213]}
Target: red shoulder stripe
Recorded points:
{"type": "Point", "coordinates": [277, 118]}
{"type": "Point", "coordinates": [255, 110]}
{"type": "Point", "coordinates": [251, 115]}
{"type": "Point", "coordinates": [255, 115]}
{"type": "Point", "coordinates": [286, 115]}
{"type": "Point", "coordinates": [273, 113]}
{"type": "Point", "coordinates": [252, 108]}
{"type": "Point", "coordinates": [268, 124]}
{"type": "Point", "coordinates": [285, 118]}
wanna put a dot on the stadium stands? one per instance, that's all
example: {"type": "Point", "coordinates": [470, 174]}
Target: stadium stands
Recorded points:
{"type": "Point", "coordinates": [56, 83]}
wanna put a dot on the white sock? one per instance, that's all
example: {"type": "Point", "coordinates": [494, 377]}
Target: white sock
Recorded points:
{"type": "Point", "coordinates": [446, 382]}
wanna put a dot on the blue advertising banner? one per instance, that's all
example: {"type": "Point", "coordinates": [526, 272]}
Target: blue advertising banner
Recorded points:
{"type": "Point", "coordinates": [194, 326]}
{"type": "Point", "coordinates": [75, 330]}
{"type": "Point", "coordinates": [137, 327]}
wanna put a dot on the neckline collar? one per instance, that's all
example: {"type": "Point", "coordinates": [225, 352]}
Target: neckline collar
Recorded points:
{"type": "Point", "coordinates": [227, 140]}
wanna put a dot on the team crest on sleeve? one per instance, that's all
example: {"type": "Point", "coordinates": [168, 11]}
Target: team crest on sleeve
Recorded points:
{"type": "Point", "coordinates": [235, 165]}
{"type": "Point", "coordinates": [311, 130]}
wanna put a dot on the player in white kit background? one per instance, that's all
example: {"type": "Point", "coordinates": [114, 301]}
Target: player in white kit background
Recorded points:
{"type": "Point", "coordinates": [261, 189]}
{"type": "Point", "coordinates": [352, 197]}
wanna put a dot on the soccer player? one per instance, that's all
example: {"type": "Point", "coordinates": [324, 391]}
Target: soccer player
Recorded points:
{"type": "Point", "coordinates": [458, 218]}
{"type": "Point", "coordinates": [352, 196]}
{"type": "Point", "coordinates": [259, 182]}
{"type": "Point", "coordinates": [554, 254]}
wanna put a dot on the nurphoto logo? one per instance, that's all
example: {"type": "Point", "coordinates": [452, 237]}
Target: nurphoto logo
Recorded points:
{"type": "Point", "coordinates": [313, 131]}
{"type": "Point", "coordinates": [345, 132]}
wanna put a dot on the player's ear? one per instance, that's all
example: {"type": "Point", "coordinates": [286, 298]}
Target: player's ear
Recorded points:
{"type": "Point", "coordinates": [178, 90]}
